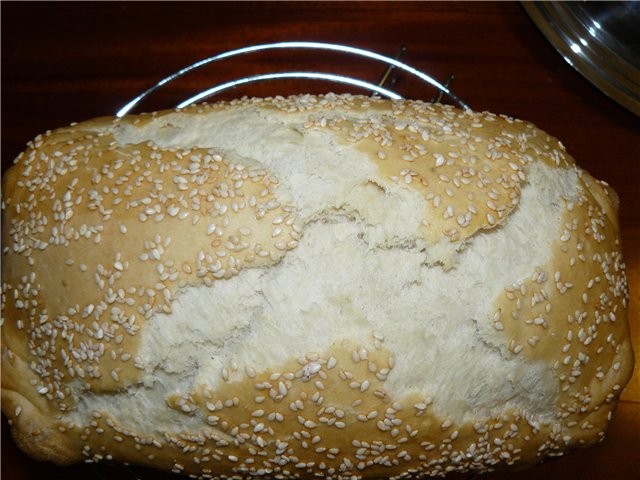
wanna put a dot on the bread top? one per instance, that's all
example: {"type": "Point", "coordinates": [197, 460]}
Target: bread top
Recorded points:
{"type": "Point", "coordinates": [108, 222]}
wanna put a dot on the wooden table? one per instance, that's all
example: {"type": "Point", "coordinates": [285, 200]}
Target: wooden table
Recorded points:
{"type": "Point", "coordinates": [64, 62]}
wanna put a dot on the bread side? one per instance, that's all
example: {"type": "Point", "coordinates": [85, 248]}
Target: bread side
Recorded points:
{"type": "Point", "coordinates": [334, 285]}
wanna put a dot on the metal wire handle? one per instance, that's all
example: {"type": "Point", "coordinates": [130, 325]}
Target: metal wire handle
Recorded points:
{"type": "Point", "coordinates": [310, 75]}
{"type": "Point", "coordinates": [272, 76]}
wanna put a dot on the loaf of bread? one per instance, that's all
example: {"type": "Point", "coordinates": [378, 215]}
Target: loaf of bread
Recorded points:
{"type": "Point", "coordinates": [309, 287]}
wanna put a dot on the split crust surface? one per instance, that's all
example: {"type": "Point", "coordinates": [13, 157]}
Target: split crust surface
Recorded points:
{"type": "Point", "coordinates": [307, 287]}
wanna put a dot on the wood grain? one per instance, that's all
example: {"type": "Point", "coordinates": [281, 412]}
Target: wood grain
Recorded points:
{"type": "Point", "coordinates": [65, 62]}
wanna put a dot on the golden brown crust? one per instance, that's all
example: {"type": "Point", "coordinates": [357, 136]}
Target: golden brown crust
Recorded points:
{"type": "Point", "coordinates": [33, 427]}
{"type": "Point", "coordinates": [89, 192]}
{"type": "Point", "coordinates": [572, 309]}
{"type": "Point", "coordinates": [469, 168]}
{"type": "Point", "coordinates": [337, 421]}
{"type": "Point", "coordinates": [99, 237]}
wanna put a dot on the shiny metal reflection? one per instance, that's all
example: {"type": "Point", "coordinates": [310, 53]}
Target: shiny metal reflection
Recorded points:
{"type": "Point", "coordinates": [300, 45]}
{"type": "Point", "coordinates": [601, 40]}
{"type": "Point", "coordinates": [275, 76]}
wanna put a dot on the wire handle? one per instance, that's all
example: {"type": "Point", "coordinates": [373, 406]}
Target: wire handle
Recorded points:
{"type": "Point", "coordinates": [310, 75]}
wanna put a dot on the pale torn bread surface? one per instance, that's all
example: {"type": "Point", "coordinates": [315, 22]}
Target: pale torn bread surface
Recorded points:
{"type": "Point", "coordinates": [308, 286]}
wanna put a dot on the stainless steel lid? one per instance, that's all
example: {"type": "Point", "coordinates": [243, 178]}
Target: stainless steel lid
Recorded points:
{"type": "Point", "coordinates": [601, 40]}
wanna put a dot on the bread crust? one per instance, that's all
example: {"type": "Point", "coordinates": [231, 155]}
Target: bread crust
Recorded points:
{"type": "Point", "coordinates": [104, 227]}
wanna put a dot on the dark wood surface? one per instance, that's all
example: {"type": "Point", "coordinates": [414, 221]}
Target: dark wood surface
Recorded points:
{"type": "Point", "coordinates": [65, 62]}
